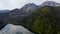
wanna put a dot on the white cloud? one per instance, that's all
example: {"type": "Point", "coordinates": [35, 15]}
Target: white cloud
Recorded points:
{"type": "Point", "coordinates": [16, 3]}
{"type": "Point", "coordinates": [11, 4]}
{"type": "Point", "coordinates": [2, 6]}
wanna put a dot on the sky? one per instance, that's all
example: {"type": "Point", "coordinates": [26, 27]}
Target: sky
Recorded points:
{"type": "Point", "coordinates": [12, 4]}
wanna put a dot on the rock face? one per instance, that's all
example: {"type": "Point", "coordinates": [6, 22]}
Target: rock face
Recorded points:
{"type": "Point", "coordinates": [12, 29]}
{"type": "Point", "coordinates": [50, 3]}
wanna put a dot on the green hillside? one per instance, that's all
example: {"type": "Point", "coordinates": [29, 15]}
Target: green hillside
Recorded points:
{"type": "Point", "coordinates": [46, 20]}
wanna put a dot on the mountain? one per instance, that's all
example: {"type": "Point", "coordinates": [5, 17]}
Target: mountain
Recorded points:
{"type": "Point", "coordinates": [29, 7]}
{"type": "Point", "coordinates": [14, 29]}
{"type": "Point", "coordinates": [16, 13]}
{"type": "Point", "coordinates": [45, 20]}
{"type": "Point", "coordinates": [3, 14]}
{"type": "Point", "coordinates": [24, 11]}
{"type": "Point", "coordinates": [4, 11]}
{"type": "Point", "coordinates": [50, 3]}
{"type": "Point", "coordinates": [40, 20]}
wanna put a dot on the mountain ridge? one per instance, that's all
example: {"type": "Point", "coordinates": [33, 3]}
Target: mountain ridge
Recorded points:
{"type": "Point", "coordinates": [42, 20]}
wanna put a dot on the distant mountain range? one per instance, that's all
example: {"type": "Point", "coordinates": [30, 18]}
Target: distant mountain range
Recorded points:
{"type": "Point", "coordinates": [32, 6]}
{"type": "Point", "coordinates": [4, 11]}
{"type": "Point", "coordinates": [35, 18]}
{"type": "Point", "coordinates": [28, 8]}
{"type": "Point", "coordinates": [25, 10]}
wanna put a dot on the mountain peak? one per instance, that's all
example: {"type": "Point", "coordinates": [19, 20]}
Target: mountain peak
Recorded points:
{"type": "Point", "coordinates": [29, 7]}
{"type": "Point", "coordinates": [30, 4]}
{"type": "Point", "coordinates": [51, 3]}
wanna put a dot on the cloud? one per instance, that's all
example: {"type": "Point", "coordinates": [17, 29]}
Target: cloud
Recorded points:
{"type": "Point", "coordinates": [11, 4]}
{"type": "Point", "coordinates": [2, 6]}
{"type": "Point", "coordinates": [16, 3]}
